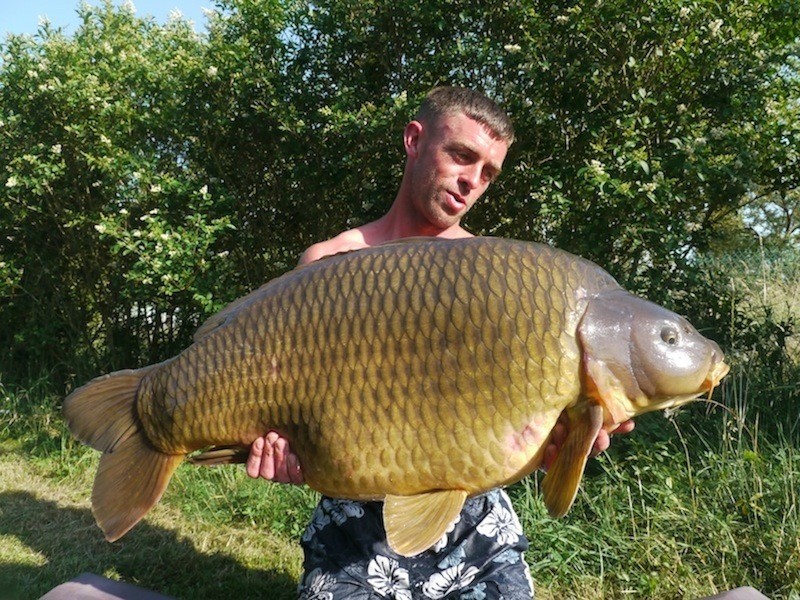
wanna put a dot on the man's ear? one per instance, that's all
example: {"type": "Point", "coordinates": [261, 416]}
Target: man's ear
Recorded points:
{"type": "Point", "coordinates": [411, 138]}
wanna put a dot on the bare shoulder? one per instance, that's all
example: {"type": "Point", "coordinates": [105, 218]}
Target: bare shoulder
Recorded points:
{"type": "Point", "coordinates": [352, 239]}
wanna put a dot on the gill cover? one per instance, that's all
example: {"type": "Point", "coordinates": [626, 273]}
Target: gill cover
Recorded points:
{"type": "Point", "coordinates": [640, 357]}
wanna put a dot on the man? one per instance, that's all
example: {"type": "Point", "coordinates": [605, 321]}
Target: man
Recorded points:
{"type": "Point", "coordinates": [455, 147]}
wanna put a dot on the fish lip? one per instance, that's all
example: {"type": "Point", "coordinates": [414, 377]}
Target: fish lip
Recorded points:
{"type": "Point", "coordinates": [674, 401]}
{"type": "Point", "coordinates": [718, 371]}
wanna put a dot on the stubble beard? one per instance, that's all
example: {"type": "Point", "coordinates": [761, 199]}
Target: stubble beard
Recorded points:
{"type": "Point", "coordinates": [436, 213]}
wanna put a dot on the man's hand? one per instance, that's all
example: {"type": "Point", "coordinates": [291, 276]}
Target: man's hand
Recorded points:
{"type": "Point", "coordinates": [271, 458]}
{"type": "Point", "coordinates": [561, 430]}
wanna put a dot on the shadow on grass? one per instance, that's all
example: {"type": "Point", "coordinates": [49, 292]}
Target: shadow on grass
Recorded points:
{"type": "Point", "coordinates": [68, 543]}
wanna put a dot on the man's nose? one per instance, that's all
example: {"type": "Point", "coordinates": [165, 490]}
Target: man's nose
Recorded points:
{"type": "Point", "coordinates": [471, 176]}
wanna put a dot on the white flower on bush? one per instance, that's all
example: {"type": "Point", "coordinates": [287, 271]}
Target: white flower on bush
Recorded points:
{"type": "Point", "coordinates": [597, 168]}
{"type": "Point", "coordinates": [450, 580]}
{"type": "Point", "coordinates": [11, 182]}
{"type": "Point", "coordinates": [388, 579]}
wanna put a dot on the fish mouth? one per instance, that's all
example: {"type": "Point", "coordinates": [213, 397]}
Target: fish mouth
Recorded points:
{"type": "Point", "coordinates": [674, 401]}
{"type": "Point", "coordinates": [716, 374]}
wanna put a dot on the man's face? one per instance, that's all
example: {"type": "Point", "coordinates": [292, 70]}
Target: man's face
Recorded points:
{"type": "Point", "coordinates": [453, 161]}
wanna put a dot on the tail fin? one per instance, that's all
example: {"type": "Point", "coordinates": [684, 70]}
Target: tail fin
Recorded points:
{"type": "Point", "coordinates": [132, 474]}
{"type": "Point", "coordinates": [128, 483]}
{"type": "Point", "coordinates": [102, 413]}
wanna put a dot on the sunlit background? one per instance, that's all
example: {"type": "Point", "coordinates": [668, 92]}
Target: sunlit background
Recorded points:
{"type": "Point", "coordinates": [25, 17]}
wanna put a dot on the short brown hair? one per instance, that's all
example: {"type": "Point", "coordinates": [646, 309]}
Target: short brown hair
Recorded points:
{"type": "Point", "coordinates": [446, 100]}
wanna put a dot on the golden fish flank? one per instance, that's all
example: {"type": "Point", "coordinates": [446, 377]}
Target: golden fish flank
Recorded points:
{"type": "Point", "coordinates": [418, 372]}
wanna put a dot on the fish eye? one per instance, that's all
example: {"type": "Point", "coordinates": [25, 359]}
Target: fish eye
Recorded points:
{"type": "Point", "coordinates": [669, 336]}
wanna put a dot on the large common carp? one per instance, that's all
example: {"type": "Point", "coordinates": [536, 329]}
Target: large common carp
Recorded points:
{"type": "Point", "coordinates": [418, 372]}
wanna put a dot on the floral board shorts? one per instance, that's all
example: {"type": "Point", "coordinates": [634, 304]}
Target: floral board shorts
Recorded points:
{"type": "Point", "coordinates": [481, 557]}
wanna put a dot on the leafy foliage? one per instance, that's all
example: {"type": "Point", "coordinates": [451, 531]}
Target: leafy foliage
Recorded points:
{"type": "Point", "coordinates": [151, 174]}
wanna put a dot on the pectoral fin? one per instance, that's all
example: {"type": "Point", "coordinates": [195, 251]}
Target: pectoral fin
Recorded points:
{"type": "Point", "coordinates": [415, 523]}
{"type": "Point", "coordinates": [221, 455]}
{"type": "Point", "coordinates": [602, 385]}
{"type": "Point", "coordinates": [560, 485]}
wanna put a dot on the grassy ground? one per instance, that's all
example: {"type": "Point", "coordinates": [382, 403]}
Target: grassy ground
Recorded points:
{"type": "Point", "coordinates": [685, 507]}
{"type": "Point", "coordinates": [48, 536]}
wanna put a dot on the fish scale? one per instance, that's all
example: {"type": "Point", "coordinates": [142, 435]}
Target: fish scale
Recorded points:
{"type": "Point", "coordinates": [390, 381]}
{"type": "Point", "coordinates": [418, 372]}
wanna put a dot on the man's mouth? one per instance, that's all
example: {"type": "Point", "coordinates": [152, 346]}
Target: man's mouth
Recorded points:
{"type": "Point", "coordinates": [455, 202]}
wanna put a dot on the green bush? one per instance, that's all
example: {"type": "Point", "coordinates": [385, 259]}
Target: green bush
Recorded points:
{"type": "Point", "coordinates": [150, 174]}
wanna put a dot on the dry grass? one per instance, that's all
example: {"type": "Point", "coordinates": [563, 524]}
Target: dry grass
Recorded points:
{"type": "Point", "coordinates": [48, 536]}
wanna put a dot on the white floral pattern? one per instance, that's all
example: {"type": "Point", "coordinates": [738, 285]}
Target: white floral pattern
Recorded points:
{"type": "Point", "coordinates": [318, 522]}
{"type": "Point", "coordinates": [458, 555]}
{"type": "Point", "coordinates": [478, 592]}
{"type": "Point", "coordinates": [317, 586]}
{"type": "Point", "coordinates": [442, 543]}
{"type": "Point", "coordinates": [479, 557]}
{"type": "Point", "coordinates": [332, 509]}
{"type": "Point", "coordinates": [450, 580]}
{"type": "Point", "coordinates": [501, 524]}
{"type": "Point", "coordinates": [341, 510]}
{"type": "Point", "coordinates": [388, 579]}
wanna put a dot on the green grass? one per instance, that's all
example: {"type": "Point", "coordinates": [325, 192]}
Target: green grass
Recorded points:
{"type": "Point", "coordinates": [190, 545]}
{"type": "Point", "coordinates": [686, 506]}
{"type": "Point", "coordinates": [656, 519]}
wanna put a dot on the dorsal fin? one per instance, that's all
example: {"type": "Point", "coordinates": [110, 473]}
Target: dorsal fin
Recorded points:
{"type": "Point", "coordinates": [217, 319]}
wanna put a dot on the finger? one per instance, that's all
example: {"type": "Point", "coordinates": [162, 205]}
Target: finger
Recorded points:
{"type": "Point", "coordinates": [267, 466]}
{"type": "Point", "coordinates": [294, 470]}
{"type": "Point", "coordinates": [253, 464]}
{"type": "Point", "coordinates": [624, 427]}
{"type": "Point", "coordinates": [280, 450]}
{"type": "Point", "coordinates": [601, 443]}
{"type": "Point", "coordinates": [550, 454]}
